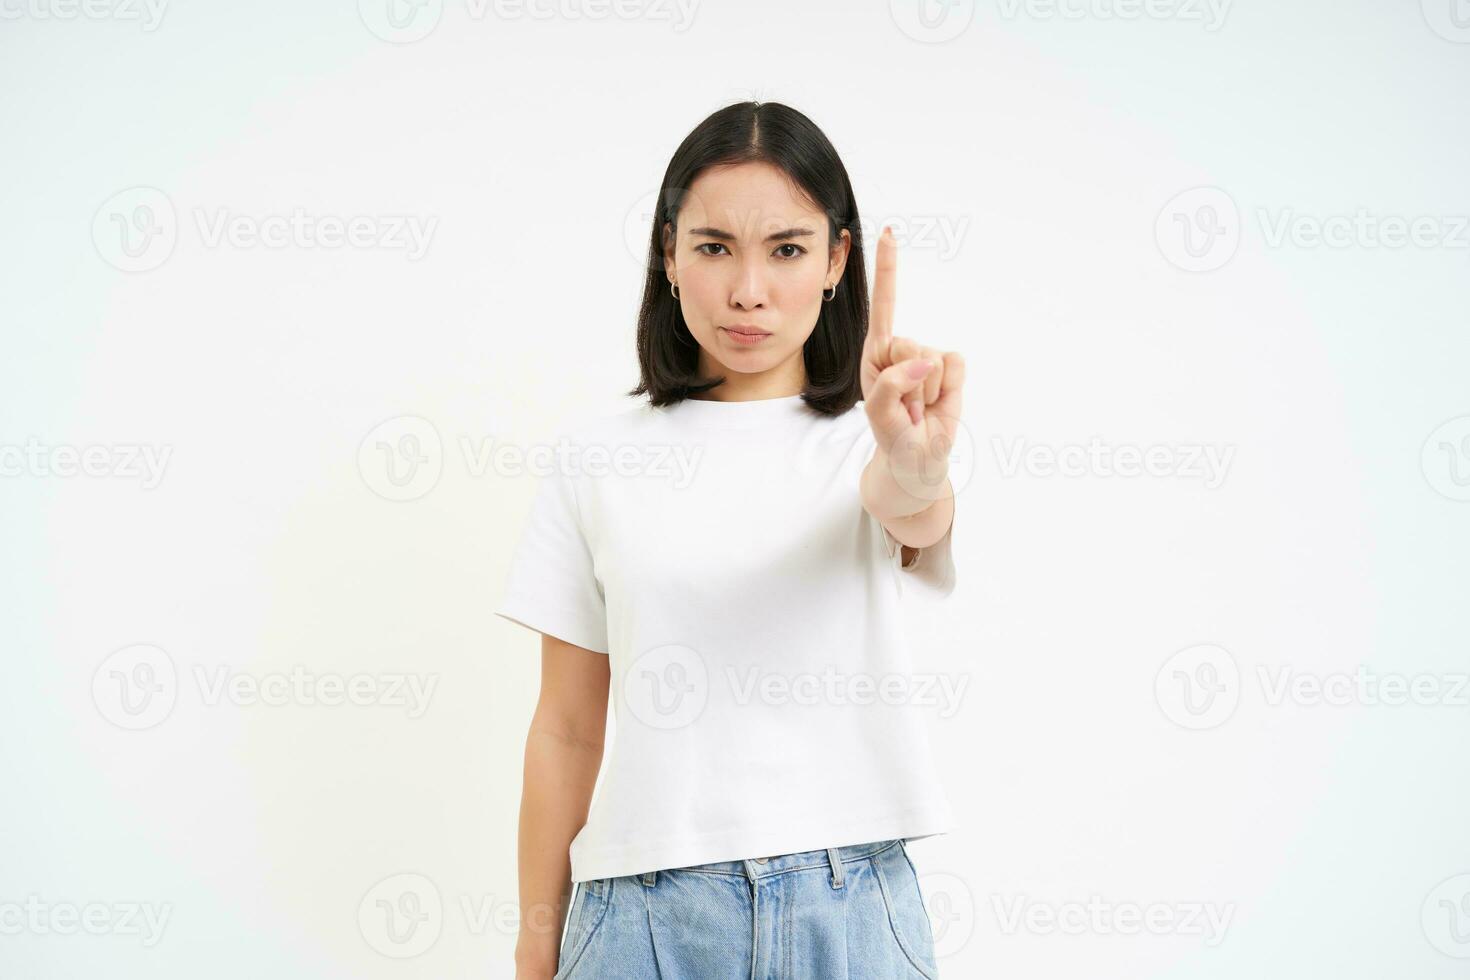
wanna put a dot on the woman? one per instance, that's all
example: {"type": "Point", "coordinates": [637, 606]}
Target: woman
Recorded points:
{"type": "Point", "coordinates": [724, 561]}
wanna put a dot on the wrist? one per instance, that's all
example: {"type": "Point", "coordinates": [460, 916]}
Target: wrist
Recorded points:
{"type": "Point", "coordinates": [888, 495]}
{"type": "Point", "coordinates": [536, 958]}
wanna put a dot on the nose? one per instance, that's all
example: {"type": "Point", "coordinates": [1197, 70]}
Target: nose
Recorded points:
{"type": "Point", "coordinates": [749, 289]}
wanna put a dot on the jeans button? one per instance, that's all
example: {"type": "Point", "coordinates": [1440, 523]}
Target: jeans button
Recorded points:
{"type": "Point", "coordinates": [761, 860]}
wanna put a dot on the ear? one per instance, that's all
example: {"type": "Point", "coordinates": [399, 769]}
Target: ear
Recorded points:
{"type": "Point", "coordinates": [837, 260]}
{"type": "Point", "coordinates": [667, 236]}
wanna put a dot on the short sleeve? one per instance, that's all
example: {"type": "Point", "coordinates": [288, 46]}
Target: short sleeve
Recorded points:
{"type": "Point", "coordinates": [933, 567]}
{"type": "Point", "coordinates": [552, 586]}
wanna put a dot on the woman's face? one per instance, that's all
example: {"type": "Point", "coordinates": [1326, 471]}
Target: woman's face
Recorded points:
{"type": "Point", "coordinates": [751, 259]}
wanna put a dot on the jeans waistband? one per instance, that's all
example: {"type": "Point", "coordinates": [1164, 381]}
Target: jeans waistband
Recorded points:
{"type": "Point", "coordinates": [753, 868]}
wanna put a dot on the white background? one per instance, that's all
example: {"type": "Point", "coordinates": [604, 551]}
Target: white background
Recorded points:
{"type": "Point", "coordinates": [1032, 160]}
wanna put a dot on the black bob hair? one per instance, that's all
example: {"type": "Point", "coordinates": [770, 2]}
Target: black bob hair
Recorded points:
{"type": "Point", "coordinates": [768, 132]}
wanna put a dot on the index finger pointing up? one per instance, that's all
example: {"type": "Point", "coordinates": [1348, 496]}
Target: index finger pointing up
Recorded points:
{"type": "Point", "coordinates": [885, 268]}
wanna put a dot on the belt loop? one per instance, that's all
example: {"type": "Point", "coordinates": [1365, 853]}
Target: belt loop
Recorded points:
{"type": "Point", "coordinates": [649, 877]}
{"type": "Point", "coordinates": [836, 861]}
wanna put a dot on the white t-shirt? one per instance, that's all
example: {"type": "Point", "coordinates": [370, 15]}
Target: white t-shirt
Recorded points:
{"type": "Point", "coordinates": [763, 698]}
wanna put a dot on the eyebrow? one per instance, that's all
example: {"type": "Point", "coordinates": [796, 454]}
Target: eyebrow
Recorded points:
{"type": "Point", "coordinates": [774, 237]}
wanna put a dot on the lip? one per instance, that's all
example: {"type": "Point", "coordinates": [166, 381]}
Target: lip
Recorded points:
{"type": "Point", "coordinates": [744, 333]}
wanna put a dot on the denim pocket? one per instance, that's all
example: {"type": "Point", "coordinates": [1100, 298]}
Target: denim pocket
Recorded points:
{"type": "Point", "coordinates": [587, 913]}
{"type": "Point", "coordinates": [909, 920]}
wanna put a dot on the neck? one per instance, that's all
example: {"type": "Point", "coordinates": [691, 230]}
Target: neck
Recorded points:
{"type": "Point", "coordinates": [778, 382]}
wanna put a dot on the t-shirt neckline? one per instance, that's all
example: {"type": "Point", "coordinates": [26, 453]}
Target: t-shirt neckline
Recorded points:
{"type": "Point", "coordinates": [742, 412]}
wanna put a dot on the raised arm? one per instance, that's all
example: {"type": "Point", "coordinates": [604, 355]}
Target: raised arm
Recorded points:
{"type": "Point", "coordinates": [912, 394]}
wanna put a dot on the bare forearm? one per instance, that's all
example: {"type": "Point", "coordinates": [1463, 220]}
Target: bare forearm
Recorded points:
{"type": "Point", "coordinates": [916, 521]}
{"type": "Point", "coordinates": [557, 790]}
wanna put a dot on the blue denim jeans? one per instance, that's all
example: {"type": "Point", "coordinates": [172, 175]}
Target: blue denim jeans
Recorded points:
{"type": "Point", "coordinates": [848, 912]}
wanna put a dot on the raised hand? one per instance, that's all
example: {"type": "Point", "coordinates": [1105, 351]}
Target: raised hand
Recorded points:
{"type": "Point", "coordinates": [911, 392]}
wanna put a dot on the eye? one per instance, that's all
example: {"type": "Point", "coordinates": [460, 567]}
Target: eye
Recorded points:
{"type": "Point", "coordinates": [699, 248]}
{"type": "Point", "coordinates": [799, 250]}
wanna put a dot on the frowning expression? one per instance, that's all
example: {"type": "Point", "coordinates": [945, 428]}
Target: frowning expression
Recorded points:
{"type": "Point", "coordinates": [751, 258]}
